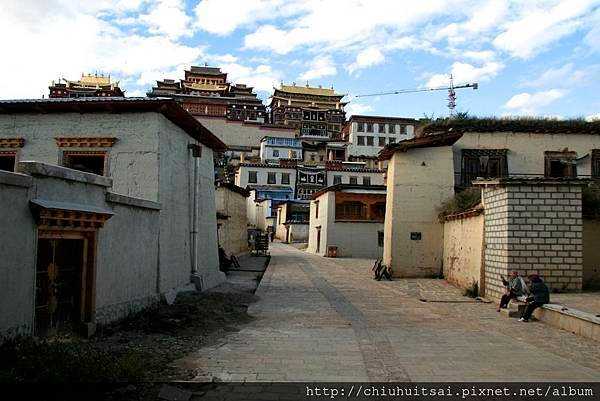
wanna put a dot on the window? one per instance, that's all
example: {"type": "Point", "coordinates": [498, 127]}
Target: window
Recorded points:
{"type": "Point", "coordinates": [391, 129]}
{"type": "Point", "coordinates": [381, 128]}
{"type": "Point", "coordinates": [380, 238]}
{"type": "Point", "coordinates": [350, 210]}
{"type": "Point", "coordinates": [275, 152]}
{"type": "Point", "coordinates": [560, 164]}
{"type": "Point", "coordinates": [361, 140]}
{"type": "Point", "coordinates": [88, 162]}
{"type": "Point", "coordinates": [366, 180]}
{"type": "Point", "coordinates": [353, 180]}
{"type": "Point", "coordinates": [485, 163]}
{"type": "Point", "coordinates": [8, 159]}
{"type": "Point", "coordinates": [360, 127]}
{"type": "Point", "coordinates": [271, 178]}
{"type": "Point", "coordinates": [316, 209]}
{"type": "Point", "coordinates": [252, 177]}
{"type": "Point", "coordinates": [403, 130]}
{"type": "Point", "coordinates": [312, 157]}
{"type": "Point", "coordinates": [294, 154]}
{"type": "Point", "coordinates": [391, 140]}
{"type": "Point", "coordinates": [369, 141]}
{"type": "Point", "coordinates": [285, 178]}
{"type": "Point", "coordinates": [369, 127]}
{"type": "Point", "coordinates": [596, 163]}
{"type": "Point", "coordinates": [381, 141]}
{"type": "Point", "coordinates": [337, 179]}
{"type": "Point", "coordinates": [378, 211]}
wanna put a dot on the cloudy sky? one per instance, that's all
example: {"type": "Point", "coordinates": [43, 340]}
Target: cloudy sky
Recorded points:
{"type": "Point", "coordinates": [529, 57]}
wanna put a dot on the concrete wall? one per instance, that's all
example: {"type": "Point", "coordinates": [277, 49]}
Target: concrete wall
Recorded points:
{"type": "Point", "coordinates": [591, 254]}
{"type": "Point", "coordinates": [354, 149]}
{"type": "Point", "coordinates": [463, 247]}
{"type": "Point", "coordinates": [280, 228]}
{"type": "Point", "coordinates": [526, 150]}
{"type": "Point", "coordinates": [233, 233]}
{"type": "Point", "coordinates": [534, 229]}
{"type": "Point", "coordinates": [418, 182]}
{"type": "Point", "coordinates": [132, 160]}
{"type": "Point", "coordinates": [127, 256]}
{"type": "Point", "coordinates": [17, 247]}
{"type": "Point", "coordinates": [176, 197]}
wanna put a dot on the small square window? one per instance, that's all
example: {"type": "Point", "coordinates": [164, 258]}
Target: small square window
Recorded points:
{"type": "Point", "coordinates": [392, 140]}
{"type": "Point", "coordinates": [353, 180]}
{"type": "Point", "coordinates": [275, 152]}
{"type": "Point", "coordinates": [88, 162]}
{"type": "Point", "coordinates": [382, 141]}
{"type": "Point", "coordinates": [366, 180]}
{"type": "Point", "coordinates": [285, 178]}
{"type": "Point", "coordinates": [337, 179]}
{"type": "Point", "coordinates": [369, 141]}
{"type": "Point", "coordinates": [8, 160]}
{"type": "Point", "coordinates": [271, 178]}
{"type": "Point", "coordinates": [391, 129]}
{"type": "Point", "coordinates": [361, 140]}
{"type": "Point", "coordinates": [381, 128]}
{"type": "Point", "coordinates": [360, 127]}
{"type": "Point", "coordinates": [369, 127]}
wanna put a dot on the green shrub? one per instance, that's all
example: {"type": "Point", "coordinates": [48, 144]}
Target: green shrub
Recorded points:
{"type": "Point", "coordinates": [460, 202]}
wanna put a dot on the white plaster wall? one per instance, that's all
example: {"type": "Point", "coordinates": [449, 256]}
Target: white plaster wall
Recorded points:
{"type": "Point", "coordinates": [280, 229]}
{"type": "Point", "coordinates": [376, 177]}
{"type": "Point", "coordinates": [526, 150]}
{"type": "Point", "coordinates": [354, 239]}
{"type": "Point", "coordinates": [463, 247]}
{"type": "Point", "coordinates": [418, 181]}
{"type": "Point", "coordinates": [233, 234]}
{"type": "Point", "coordinates": [299, 232]}
{"type": "Point", "coordinates": [176, 198]}
{"type": "Point", "coordinates": [241, 177]}
{"type": "Point", "coordinates": [133, 159]}
{"type": "Point", "coordinates": [322, 221]}
{"type": "Point", "coordinates": [353, 149]}
{"type": "Point", "coordinates": [267, 152]}
{"type": "Point", "coordinates": [236, 133]}
{"type": "Point", "coordinates": [17, 261]}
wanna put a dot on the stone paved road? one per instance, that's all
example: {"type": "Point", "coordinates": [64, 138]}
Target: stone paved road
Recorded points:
{"type": "Point", "coordinates": [325, 319]}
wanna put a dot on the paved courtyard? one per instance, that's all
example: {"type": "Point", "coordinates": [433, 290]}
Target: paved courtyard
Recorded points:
{"type": "Point", "coordinates": [321, 319]}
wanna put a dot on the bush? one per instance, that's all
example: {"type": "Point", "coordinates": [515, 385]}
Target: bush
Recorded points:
{"type": "Point", "coordinates": [472, 291]}
{"type": "Point", "coordinates": [460, 202]}
{"type": "Point", "coordinates": [590, 203]}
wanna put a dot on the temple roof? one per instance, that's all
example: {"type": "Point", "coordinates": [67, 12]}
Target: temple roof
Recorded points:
{"type": "Point", "coordinates": [308, 90]}
{"type": "Point", "coordinates": [205, 87]}
{"type": "Point", "coordinates": [206, 70]}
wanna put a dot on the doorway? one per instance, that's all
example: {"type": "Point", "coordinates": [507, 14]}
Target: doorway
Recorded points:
{"type": "Point", "coordinates": [65, 296]}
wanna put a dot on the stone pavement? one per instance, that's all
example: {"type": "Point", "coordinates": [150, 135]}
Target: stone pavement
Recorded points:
{"type": "Point", "coordinates": [321, 319]}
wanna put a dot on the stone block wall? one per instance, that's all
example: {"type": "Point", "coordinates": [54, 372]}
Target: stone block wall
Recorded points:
{"type": "Point", "coordinates": [534, 228]}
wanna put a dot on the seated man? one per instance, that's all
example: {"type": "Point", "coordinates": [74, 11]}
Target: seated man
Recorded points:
{"type": "Point", "coordinates": [540, 295]}
{"type": "Point", "coordinates": [515, 287]}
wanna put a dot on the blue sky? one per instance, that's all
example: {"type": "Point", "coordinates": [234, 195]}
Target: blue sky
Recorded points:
{"type": "Point", "coordinates": [529, 57]}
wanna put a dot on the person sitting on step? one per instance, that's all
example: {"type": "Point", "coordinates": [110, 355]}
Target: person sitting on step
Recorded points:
{"type": "Point", "coordinates": [540, 295]}
{"type": "Point", "coordinates": [515, 287]}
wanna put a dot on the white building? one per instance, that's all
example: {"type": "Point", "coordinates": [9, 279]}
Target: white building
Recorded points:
{"type": "Point", "coordinates": [367, 135]}
{"type": "Point", "coordinates": [347, 220]}
{"type": "Point", "coordinates": [272, 149]}
{"type": "Point", "coordinates": [149, 153]}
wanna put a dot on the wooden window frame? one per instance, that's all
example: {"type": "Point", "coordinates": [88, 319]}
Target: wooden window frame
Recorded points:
{"type": "Point", "coordinates": [13, 154]}
{"type": "Point", "coordinates": [66, 154]}
{"type": "Point", "coordinates": [271, 178]}
{"type": "Point", "coordinates": [570, 167]}
{"type": "Point", "coordinates": [483, 158]}
{"type": "Point", "coordinates": [595, 168]}
{"type": "Point", "coordinates": [252, 173]}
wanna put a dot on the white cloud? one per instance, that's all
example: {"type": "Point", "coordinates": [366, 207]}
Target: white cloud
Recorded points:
{"type": "Point", "coordinates": [593, 117]}
{"type": "Point", "coordinates": [466, 73]}
{"type": "Point", "coordinates": [321, 66]}
{"type": "Point", "coordinates": [358, 108]}
{"type": "Point", "coordinates": [222, 17]}
{"type": "Point", "coordinates": [529, 103]}
{"type": "Point", "coordinates": [79, 41]}
{"type": "Point", "coordinates": [567, 75]}
{"type": "Point", "coordinates": [262, 77]}
{"type": "Point", "coordinates": [539, 25]}
{"type": "Point", "coordinates": [366, 58]}
{"type": "Point", "coordinates": [168, 17]}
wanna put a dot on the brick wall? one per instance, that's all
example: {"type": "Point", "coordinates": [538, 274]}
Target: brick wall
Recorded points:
{"type": "Point", "coordinates": [533, 228]}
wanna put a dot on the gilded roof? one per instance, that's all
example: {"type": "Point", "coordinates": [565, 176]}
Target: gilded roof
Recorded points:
{"type": "Point", "coordinates": [308, 90]}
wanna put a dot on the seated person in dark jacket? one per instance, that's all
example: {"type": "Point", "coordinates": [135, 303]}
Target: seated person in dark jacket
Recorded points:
{"type": "Point", "coordinates": [539, 296]}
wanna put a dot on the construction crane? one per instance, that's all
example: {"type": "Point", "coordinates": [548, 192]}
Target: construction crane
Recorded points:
{"type": "Point", "coordinates": [451, 92]}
